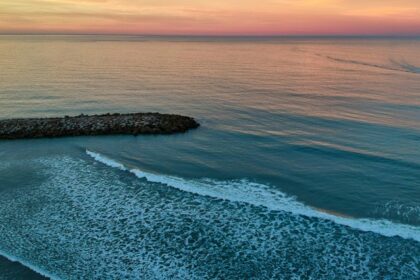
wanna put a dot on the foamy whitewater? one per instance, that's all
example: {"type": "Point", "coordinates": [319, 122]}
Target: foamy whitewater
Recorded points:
{"type": "Point", "coordinates": [305, 166]}
{"type": "Point", "coordinates": [105, 224]}
{"type": "Point", "coordinates": [262, 195]}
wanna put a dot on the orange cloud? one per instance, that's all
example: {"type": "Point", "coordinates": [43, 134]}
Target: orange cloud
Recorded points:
{"type": "Point", "coordinates": [264, 17]}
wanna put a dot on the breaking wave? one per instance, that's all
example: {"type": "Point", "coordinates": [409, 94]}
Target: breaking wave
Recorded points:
{"type": "Point", "coordinates": [87, 221]}
{"type": "Point", "coordinates": [262, 195]}
{"type": "Point", "coordinates": [29, 265]}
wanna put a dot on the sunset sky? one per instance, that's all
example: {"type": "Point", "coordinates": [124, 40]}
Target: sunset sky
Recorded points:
{"type": "Point", "coordinates": [212, 17]}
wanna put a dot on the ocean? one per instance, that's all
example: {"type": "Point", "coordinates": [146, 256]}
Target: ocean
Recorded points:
{"type": "Point", "coordinates": [306, 164]}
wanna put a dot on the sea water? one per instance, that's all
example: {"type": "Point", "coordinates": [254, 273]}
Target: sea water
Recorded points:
{"type": "Point", "coordinates": [306, 164]}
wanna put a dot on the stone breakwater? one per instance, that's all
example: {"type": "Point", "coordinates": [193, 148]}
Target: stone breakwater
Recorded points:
{"type": "Point", "coordinates": [133, 124]}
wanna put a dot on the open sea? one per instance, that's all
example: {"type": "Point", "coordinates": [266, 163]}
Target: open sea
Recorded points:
{"type": "Point", "coordinates": [306, 164]}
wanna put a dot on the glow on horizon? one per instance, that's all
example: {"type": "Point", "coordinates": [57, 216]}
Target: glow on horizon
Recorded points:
{"type": "Point", "coordinates": [212, 17]}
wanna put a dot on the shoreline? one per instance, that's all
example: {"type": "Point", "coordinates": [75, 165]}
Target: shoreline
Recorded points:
{"type": "Point", "coordinates": [91, 125]}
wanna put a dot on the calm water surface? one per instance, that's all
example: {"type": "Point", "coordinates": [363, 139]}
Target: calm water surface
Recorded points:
{"type": "Point", "coordinates": [307, 163]}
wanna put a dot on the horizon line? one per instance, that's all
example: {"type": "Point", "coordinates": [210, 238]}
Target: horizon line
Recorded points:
{"type": "Point", "coordinates": [216, 35]}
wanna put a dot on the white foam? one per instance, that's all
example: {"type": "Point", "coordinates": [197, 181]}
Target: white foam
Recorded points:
{"type": "Point", "coordinates": [106, 161]}
{"type": "Point", "coordinates": [262, 195]}
{"type": "Point", "coordinates": [29, 265]}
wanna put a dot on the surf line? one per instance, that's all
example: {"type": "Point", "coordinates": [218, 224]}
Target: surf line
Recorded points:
{"type": "Point", "coordinates": [262, 195]}
{"type": "Point", "coordinates": [26, 264]}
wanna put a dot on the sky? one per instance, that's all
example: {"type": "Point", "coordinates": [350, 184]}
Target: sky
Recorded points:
{"type": "Point", "coordinates": [212, 17]}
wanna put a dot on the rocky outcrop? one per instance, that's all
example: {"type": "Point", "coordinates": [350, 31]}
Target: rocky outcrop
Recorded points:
{"type": "Point", "coordinates": [133, 124]}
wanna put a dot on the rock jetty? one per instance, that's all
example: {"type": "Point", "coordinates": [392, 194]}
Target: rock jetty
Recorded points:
{"type": "Point", "coordinates": [133, 124]}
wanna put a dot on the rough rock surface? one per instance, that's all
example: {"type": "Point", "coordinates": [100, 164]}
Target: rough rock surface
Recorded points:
{"type": "Point", "coordinates": [134, 124]}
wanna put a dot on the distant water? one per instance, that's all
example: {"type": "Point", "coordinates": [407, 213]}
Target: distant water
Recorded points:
{"type": "Point", "coordinates": [307, 163]}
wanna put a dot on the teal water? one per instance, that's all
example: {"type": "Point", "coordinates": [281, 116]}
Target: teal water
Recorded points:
{"type": "Point", "coordinates": [306, 164]}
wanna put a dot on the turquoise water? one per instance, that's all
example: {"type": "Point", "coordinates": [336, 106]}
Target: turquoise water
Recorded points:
{"type": "Point", "coordinates": [306, 164]}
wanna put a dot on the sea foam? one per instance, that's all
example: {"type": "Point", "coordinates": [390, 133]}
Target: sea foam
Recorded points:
{"type": "Point", "coordinates": [94, 222]}
{"type": "Point", "coordinates": [262, 195]}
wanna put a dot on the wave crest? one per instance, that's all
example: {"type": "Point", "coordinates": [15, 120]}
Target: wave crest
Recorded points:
{"type": "Point", "coordinates": [262, 195]}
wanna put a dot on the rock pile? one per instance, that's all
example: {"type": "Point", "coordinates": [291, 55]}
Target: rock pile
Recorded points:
{"type": "Point", "coordinates": [134, 124]}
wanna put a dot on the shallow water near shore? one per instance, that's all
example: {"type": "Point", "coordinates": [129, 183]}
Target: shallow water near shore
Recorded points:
{"type": "Point", "coordinates": [306, 163]}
